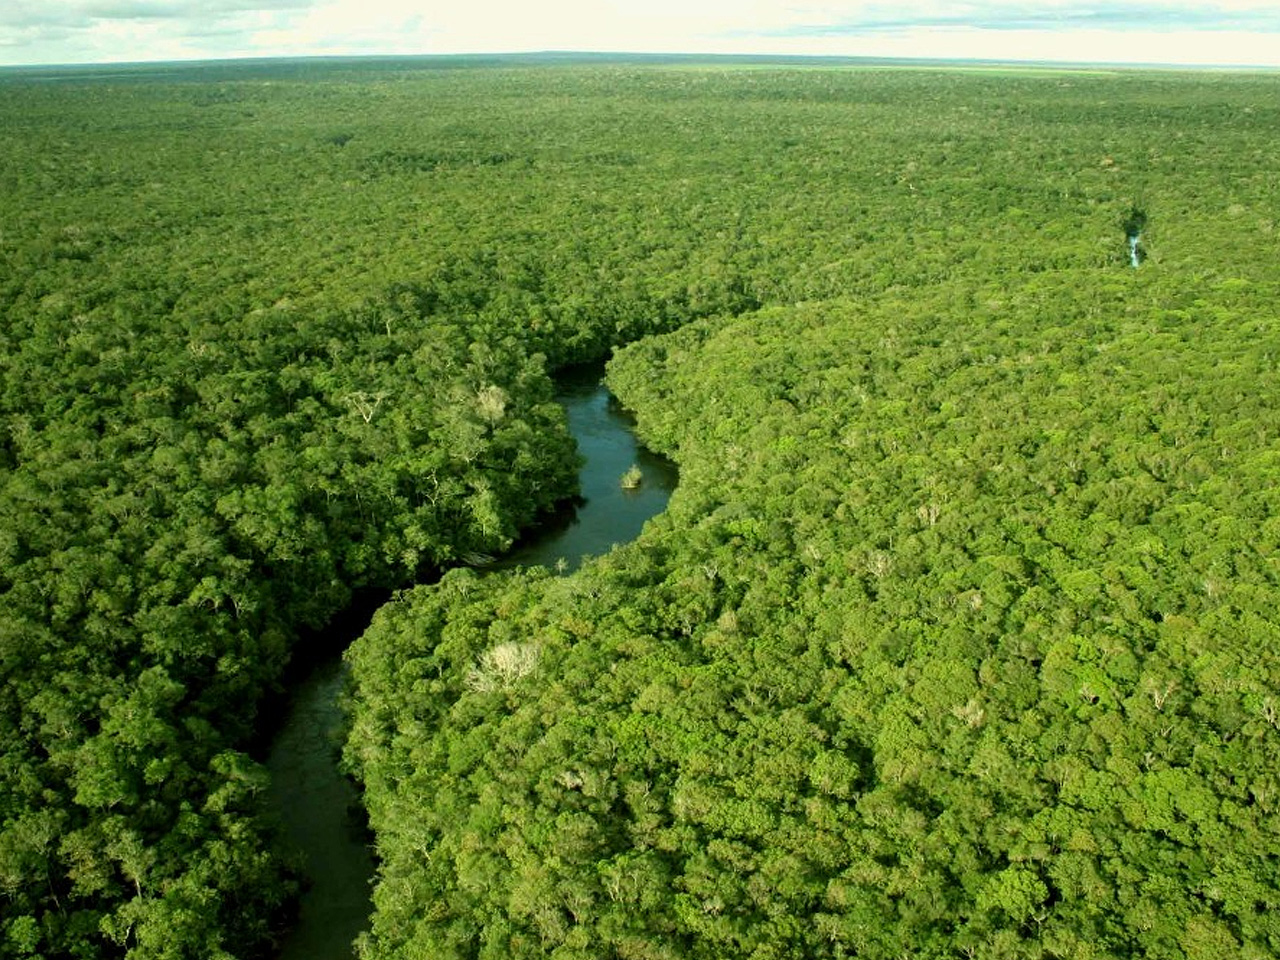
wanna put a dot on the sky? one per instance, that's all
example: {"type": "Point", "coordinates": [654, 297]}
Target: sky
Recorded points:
{"type": "Point", "coordinates": [1214, 32]}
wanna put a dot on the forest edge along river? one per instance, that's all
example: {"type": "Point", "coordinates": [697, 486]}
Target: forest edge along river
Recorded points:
{"type": "Point", "coordinates": [318, 807]}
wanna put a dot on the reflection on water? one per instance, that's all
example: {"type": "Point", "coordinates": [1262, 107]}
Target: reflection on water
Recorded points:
{"type": "Point", "coordinates": [319, 807]}
{"type": "Point", "coordinates": [605, 513]}
{"type": "Point", "coordinates": [322, 817]}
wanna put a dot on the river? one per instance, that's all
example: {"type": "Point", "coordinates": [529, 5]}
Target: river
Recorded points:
{"type": "Point", "coordinates": [320, 809]}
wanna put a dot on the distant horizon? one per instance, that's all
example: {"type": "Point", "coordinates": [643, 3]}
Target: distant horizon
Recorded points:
{"type": "Point", "coordinates": [799, 59]}
{"type": "Point", "coordinates": [1168, 33]}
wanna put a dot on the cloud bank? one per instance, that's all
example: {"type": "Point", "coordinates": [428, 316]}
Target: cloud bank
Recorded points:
{"type": "Point", "coordinates": [1164, 31]}
{"type": "Point", "coordinates": [1165, 17]}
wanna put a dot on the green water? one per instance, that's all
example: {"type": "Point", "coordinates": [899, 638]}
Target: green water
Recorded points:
{"type": "Point", "coordinates": [320, 809]}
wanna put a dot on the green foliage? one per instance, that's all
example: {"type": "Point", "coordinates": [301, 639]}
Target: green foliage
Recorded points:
{"type": "Point", "coordinates": [960, 633]}
{"type": "Point", "coordinates": [958, 637]}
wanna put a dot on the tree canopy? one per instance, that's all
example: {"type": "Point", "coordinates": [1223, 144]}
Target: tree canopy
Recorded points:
{"type": "Point", "coordinates": [957, 638]}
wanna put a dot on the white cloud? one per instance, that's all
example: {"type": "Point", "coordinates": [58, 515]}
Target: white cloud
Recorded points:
{"type": "Point", "coordinates": [1226, 31]}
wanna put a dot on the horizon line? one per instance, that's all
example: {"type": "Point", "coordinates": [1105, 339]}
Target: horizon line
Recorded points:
{"type": "Point", "coordinates": [605, 55]}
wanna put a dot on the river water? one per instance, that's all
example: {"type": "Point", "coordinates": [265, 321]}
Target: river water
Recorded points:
{"type": "Point", "coordinates": [319, 808]}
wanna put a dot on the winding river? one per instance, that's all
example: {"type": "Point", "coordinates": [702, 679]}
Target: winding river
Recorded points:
{"type": "Point", "coordinates": [320, 809]}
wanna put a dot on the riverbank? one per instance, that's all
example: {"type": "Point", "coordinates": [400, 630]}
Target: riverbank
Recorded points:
{"type": "Point", "coordinates": [319, 807]}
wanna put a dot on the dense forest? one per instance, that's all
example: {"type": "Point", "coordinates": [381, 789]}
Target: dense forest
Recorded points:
{"type": "Point", "coordinates": [958, 638]}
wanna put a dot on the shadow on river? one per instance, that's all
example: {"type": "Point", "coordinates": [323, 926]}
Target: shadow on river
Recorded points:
{"type": "Point", "coordinates": [319, 808]}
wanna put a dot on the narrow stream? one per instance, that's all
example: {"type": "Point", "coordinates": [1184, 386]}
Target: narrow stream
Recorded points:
{"type": "Point", "coordinates": [322, 818]}
{"type": "Point", "coordinates": [605, 513]}
{"type": "Point", "coordinates": [1134, 225]}
{"type": "Point", "coordinates": [319, 807]}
